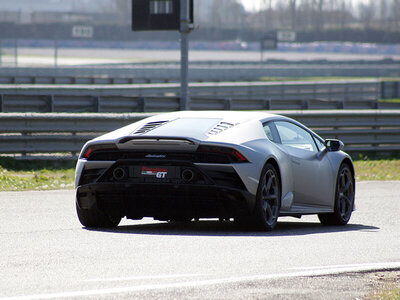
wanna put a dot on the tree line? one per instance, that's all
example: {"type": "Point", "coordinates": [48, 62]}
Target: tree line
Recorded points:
{"type": "Point", "coordinates": [314, 15]}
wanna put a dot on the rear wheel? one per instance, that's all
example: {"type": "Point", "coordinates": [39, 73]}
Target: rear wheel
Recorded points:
{"type": "Point", "coordinates": [344, 199]}
{"type": "Point", "coordinates": [95, 218]}
{"type": "Point", "coordinates": [268, 202]}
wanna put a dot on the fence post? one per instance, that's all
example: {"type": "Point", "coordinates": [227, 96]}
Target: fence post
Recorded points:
{"type": "Point", "coordinates": [142, 104]}
{"type": "Point", "coordinates": [50, 103]}
{"type": "Point", "coordinates": [96, 103]}
{"type": "Point", "coordinates": [340, 104]}
{"type": "Point", "coordinates": [227, 104]}
{"type": "Point", "coordinates": [383, 89]}
{"type": "Point", "coordinates": [267, 104]}
{"type": "Point", "coordinates": [304, 104]}
{"type": "Point", "coordinates": [16, 52]}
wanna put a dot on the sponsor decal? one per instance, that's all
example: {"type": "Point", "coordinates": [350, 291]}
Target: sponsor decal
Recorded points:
{"type": "Point", "coordinates": [156, 156]}
{"type": "Point", "coordinates": [157, 172]}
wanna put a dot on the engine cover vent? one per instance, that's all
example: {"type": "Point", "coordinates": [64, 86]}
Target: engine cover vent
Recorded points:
{"type": "Point", "coordinates": [149, 126]}
{"type": "Point", "coordinates": [220, 127]}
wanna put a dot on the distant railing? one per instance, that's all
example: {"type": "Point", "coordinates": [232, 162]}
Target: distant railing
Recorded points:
{"type": "Point", "coordinates": [24, 133]}
{"type": "Point", "coordinates": [199, 72]}
{"type": "Point", "coordinates": [350, 94]}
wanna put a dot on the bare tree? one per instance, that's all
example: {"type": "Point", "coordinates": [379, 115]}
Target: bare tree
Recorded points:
{"type": "Point", "coordinates": [396, 13]}
{"type": "Point", "coordinates": [123, 8]}
{"type": "Point", "coordinates": [293, 11]}
{"type": "Point", "coordinates": [367, 13]}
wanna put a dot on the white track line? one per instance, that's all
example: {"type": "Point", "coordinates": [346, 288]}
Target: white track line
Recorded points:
{"type": "Point", "coordinates": [144, 277]}
{"type": "Point", "coordinates": [318, 272]}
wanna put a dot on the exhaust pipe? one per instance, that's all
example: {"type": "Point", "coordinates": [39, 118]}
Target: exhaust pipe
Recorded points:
{"type": "Point", "coordinates": [119, 174]}
{"type": "Point", "coordinates": [187, 175]}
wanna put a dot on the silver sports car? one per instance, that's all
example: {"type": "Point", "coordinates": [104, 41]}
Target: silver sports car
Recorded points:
{"type": "Point", "coordinates": [249, 166]}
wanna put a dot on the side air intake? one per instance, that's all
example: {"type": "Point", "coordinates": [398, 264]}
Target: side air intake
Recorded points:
{"type": "Point", "coordinates": [149, 126]}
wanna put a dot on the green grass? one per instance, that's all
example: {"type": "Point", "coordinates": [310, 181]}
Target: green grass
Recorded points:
{"type": "Point", "coordinates": [382, 169]}
{"type": "Point", "coordinates": [325, 78]}
{"type": "Point", "coordinates": [386, 294]}
{"type": "Point", "coordinates": [394, 100]}
{"type": "Point", "coordinates": [23, 175]}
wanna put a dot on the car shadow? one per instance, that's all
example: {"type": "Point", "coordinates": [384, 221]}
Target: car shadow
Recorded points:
{"type": "Point", "coordinates": [217, 228]}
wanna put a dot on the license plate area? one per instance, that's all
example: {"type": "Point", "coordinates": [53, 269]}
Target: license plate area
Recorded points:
{"type": "Point", "coordinates": [155, 172]}
{"type": "Point", "coordinates": [171, 172]}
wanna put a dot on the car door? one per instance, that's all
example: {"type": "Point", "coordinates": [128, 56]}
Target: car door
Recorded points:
{"type": "Point", "coordinates": [312, 172]}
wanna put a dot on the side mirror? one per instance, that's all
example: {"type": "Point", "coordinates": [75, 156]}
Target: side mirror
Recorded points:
{"type": "Point", "coordinates": [333, 145]}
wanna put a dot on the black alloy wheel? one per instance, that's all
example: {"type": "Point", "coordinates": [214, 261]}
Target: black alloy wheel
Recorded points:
{"type": "Point", "coordinates": [344, 199]}
{"type": "Point", "coordinates": [268, 202]}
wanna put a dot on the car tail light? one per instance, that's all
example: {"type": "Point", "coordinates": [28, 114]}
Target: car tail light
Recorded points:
{"type": "Point", "coordinates": [231, 154]}
{"type": "Point", "coordinates": [89, 150]}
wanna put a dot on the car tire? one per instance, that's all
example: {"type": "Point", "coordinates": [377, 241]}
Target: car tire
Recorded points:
{"type": "Point", "coordinates": [268, 202]}
{"type": "Point", "coordinates": [94, 218]}
{"type": "Point", "coordinates": [344, 199]}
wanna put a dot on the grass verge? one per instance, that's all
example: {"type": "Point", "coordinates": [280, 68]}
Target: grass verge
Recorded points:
{"type": "Point", "coordinates": [377, 169]}
{"type": "Point", "coordinates": [388, 294]}
{"type": "Point", "coordinates": [24, 175]}
{"type": "Point", "coordinates": [325, 78]}
{"type": "Point", "coordinates": [386, 286]}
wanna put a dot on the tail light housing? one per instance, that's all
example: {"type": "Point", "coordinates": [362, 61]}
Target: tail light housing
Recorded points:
{"type": "Point", "coordinates": [233, 155]}
{"type": "Point", "coordinates": [90, 149]}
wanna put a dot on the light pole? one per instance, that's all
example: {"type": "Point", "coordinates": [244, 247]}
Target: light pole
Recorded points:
{"type": "Point", "coordinates": [184, 30]}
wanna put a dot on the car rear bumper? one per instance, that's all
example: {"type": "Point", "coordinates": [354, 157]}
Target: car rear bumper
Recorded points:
{"type": "Point", "coordinates": [165, 201]}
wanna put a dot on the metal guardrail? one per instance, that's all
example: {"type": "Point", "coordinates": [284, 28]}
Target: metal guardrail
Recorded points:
{"type": "Point", "coordinates": [390, 89]}
{"type": "Point", "coordinates": [360, 130]}
{"type": "Point", "coordinates": [349, 94]}
{"type": "Point", "coordinates": [199, 72]}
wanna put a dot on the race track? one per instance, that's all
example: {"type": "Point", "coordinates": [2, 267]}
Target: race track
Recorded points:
{"type": "Point", "coordinates": [81, 56]}
{"type": "Point", "coordinates": [46, 254]}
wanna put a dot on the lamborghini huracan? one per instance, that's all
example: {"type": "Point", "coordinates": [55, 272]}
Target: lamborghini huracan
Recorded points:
{"type": "Point", "coordinates": [251, 167]}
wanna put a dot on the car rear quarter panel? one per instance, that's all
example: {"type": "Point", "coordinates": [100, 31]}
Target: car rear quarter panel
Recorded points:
{"type": "Point", "coordinates": [262, 150]}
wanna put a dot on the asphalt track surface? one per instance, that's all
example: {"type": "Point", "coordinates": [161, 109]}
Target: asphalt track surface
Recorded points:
{"type": "Point", "coordinates": [46, 254]}
{"type": "Point", "coordinates": [73, 57]}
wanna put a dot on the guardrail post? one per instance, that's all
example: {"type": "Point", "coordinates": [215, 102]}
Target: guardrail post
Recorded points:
{"type": "Point", "coordinates": [383, 90]}
{"type": "Point", "coordinates": [50, 103]}
{"type": "Point", "coordinates": [16, 52]}
{"type": "Point", "coordinates": [227, 104]}
{"type": "Point", "coordinates": [96, 103]}
{"type": "Point", "coordinates": [340, 104]}
{"type": "Point", "coordinates": [73, 153]}
{"type": "Point", "coordinates": [142, 104]}
{"type": "Point", "coordinates": [304, 104]}
{"type": "Point", "coordinates": [267, 104]}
